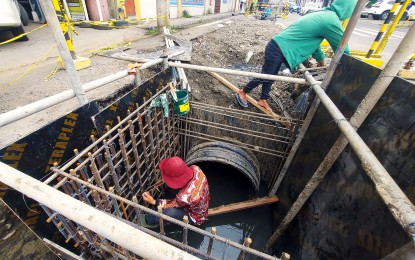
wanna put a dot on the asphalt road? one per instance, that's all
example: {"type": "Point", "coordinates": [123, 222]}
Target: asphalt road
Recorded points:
{"type": "Point", "coordinates": [365, 32]}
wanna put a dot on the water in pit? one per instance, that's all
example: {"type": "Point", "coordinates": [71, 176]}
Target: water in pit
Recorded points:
{"type": "Point", "coordinates": [227, 185]}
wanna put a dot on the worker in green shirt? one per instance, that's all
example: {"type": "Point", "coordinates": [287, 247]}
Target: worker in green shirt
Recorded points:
{"type": "Point", "coordinates": [296, 43]}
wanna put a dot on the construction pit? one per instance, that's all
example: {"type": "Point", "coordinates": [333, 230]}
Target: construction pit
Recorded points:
{"type": "Point", "coordinates": [105, 155]}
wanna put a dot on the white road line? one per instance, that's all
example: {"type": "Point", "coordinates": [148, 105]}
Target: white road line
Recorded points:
{"type": "Point", "coordinates": [360, 34]}
{"type": "Point", "coordinates": [397, 34]}
{"type": "Point", "coordinates": [368, 33]}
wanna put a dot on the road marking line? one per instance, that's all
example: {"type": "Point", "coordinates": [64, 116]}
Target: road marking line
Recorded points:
{"type": "Point", "coordinates": [393, 36]}
{"type": "Point", "coordinates": [360, 34]}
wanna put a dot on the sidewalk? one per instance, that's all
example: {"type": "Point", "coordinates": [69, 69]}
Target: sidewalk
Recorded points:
{"type": "Point", "coordinates": [16, 55]}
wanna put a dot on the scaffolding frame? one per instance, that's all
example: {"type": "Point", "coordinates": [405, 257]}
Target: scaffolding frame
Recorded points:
{"type": "Point", "coordinates": [113, 172]}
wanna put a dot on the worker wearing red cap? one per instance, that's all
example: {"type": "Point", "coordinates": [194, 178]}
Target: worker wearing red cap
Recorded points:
{"type": "Point", "coordinates": [193, 198]}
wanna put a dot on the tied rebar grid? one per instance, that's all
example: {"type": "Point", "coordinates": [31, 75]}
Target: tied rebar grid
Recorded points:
{"type": "Point", "coordinates": [112, 174]}
{"type": "Point", "coordinates": [208, 122]}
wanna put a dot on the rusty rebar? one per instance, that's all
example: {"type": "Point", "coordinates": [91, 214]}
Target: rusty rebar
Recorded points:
{"type": "Point", "coordinates": [144, 146]}
{"type": "Point", "coordinates": [115, 203]}
{"type": "Point", "coordinates": [209, 249]}
{"type": "Point", "coordinates": [127, 163]}
{"type": "Point", "coordinates": [98, 181]}
{"type": "Point", "coordinates": [78, 188]}
{"type": "Point", "coordinates": [53, 217]}
{"type": "Point", "coordinates": [157, 133]}
{"type": "Point", "coordinates": [136, 155]}
{"type": "Point", "coordinates": [247, 243]}
{"type": "Point", "coordinates": [111, 168]}
{"type": "Point", "coordinates": [151, 142]}
{"type": "Point", "coordinates": [161, 221]}
{"type": "Point", "coordinates": [185, 229]}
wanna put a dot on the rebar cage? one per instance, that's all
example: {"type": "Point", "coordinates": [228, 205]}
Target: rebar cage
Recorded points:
{"type": "Point", "coordinates": [269, 140]}
{"type": "Point", "coordinates": [113, 172]}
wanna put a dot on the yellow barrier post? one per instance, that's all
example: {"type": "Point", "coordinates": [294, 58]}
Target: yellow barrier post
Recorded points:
{"type": "Point", "coordinates": [67, 28]}
{"type": "Point", "coordinates": [179, 8]}
{"type": "Point", "coordinates": [392, 27]}
{"type": "Point", "coordinates": [137, 9]}
{"type": "Point", "coordinates": [383, 28]}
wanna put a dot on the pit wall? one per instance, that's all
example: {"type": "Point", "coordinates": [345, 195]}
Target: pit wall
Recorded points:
{"type": "Point", "coordinates": [345, 218]}
{"type": "Point", "coordinates": [35, 153]}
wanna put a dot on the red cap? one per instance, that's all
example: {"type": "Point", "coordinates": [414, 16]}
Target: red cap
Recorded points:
{"type": "Point", "coordinates": [175, 172]}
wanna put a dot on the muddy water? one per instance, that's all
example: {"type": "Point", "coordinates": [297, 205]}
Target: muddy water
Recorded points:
{"type": "Point", "coordinates": [227, 185]}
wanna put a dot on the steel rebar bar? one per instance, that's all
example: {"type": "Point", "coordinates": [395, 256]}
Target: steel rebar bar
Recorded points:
{"type": "Point", "coordinates": [136, 156]}
{"type": "Point", "coordinates": [247, 243]}
{"type": "Point", "coordinates": [185, 229]}
{"type": "Point", "coordinates": [210, 245]}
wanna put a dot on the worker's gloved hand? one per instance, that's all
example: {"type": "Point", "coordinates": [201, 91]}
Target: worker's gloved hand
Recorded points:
{"type": "Point", "coordinates": [148, 198]}
{"type": "Point", "coordinates": [321, 64]}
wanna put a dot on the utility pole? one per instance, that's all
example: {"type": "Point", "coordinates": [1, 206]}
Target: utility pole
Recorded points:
{"type": "Point", "coordinates": [162, 14]}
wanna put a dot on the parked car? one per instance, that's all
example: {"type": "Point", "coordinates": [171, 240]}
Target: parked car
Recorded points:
{"type": "Point", "coordinates": [380, 10]}
{"type": "Point", "coordinates": [295, 8]}
{"type": "Point", "coordinates": [309, 7]}
{"type": "Point", "coordinates": [13, 17]}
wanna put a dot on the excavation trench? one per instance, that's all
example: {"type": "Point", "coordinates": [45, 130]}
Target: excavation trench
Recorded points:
{"type": "Point", "coordinates": [242, 154]}
{"type": "Point", "coordinates": [242, 160]}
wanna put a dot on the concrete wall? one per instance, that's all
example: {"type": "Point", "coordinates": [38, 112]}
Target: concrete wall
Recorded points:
{"type": "Point", "coordinates": [193, 7]}
{"type": "Point", "coordinates": [148, 8]}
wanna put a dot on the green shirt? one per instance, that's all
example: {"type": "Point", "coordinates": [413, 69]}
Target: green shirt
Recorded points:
{"type": "Point", "coordinates": [303, 37]}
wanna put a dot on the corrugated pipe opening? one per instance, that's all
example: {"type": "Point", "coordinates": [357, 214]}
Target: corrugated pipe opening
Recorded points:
{"type": "Point", "coordinates": [229, 154]}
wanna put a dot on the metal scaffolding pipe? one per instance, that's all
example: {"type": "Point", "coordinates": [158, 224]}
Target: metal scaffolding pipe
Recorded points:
{"type": "Point", "coordinates": [91, 218]}
{"type": "Point", "coordinates": [32, 108]}
{"type": "Point", "coordinates": [64, 53]}
{"type": "Point", "coordinates": [239, 73]}
{"type": "Point", "coordinates": [398, 204]}
{"type": "Point", "coordinates": [327, 79]}
{"type": "Point", "coordinates": [396, 201]}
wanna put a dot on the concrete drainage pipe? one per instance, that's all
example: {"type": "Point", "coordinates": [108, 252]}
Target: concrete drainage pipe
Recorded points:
{"type": "Point", "coordinates": [229, 154]}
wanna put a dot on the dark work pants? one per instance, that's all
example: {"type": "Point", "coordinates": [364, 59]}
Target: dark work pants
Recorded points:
{"type": "Point", "coordinates": [273, 58]}
{"type": "Point", "coordinates": [177, 213]}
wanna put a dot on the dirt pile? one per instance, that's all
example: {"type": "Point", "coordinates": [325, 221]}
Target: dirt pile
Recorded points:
{"type": "Point", "coordinates": [228, 47]}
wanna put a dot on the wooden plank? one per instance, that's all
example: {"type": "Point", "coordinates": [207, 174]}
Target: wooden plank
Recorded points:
{"type": "Point", "coordinates": [249, 98]}
{"type": "Point", "coordinates": [242, 205]}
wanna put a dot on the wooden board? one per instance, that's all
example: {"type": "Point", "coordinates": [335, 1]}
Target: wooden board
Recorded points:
{"type": "Point", "coordinates": [249, 98]}
{"type": "Point", "coordinates": [242, 205]}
